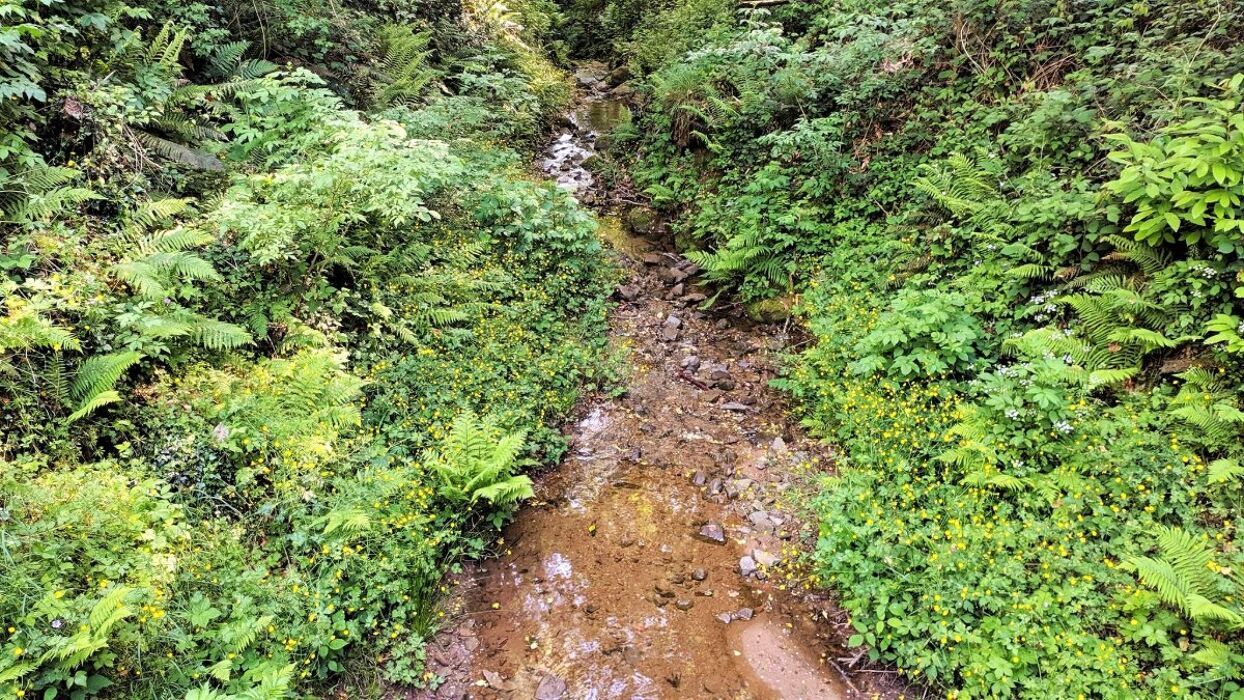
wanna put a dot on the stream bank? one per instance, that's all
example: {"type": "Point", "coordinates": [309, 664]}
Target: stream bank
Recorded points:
{"type": "Point", "coordinates": [658, 560]}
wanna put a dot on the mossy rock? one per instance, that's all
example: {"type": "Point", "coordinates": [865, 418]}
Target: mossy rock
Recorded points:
{"type": "Point", "coordinates": [641, 220]}
{"type": "Point", "coordinates": [771, 310]}
{"type": "Point", "coordinates": [613, 233]}
{"type": "Point", "coordinates": [685, 240]}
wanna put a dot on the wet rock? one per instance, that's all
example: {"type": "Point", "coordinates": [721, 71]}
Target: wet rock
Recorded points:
{"type": "Point", "coordinates": [712, 532]}
{"type": "Point", "coordinates": [619, 75]}
{"type": "Point", "coordinates": [586, 77]}
{"type": "Point", "coordinates": [699, 575]}
{"type": "Point", "coordinates": [551, 688]}
{"type": "Point", "coordinates": [684, 604]}
{"type": "Point", "coordinates": [623, 92]}
{"type": "Point", "coordinates": [629, 292]}
{"type": "Point", "coordinates": [747, 566]}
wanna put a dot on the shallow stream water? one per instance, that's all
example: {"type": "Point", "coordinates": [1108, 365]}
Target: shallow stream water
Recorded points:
{"type": "Point", "coordinates": [658, 560]}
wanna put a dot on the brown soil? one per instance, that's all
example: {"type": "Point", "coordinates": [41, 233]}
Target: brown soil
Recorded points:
{"type": "Point", "coordinates": [611, 585]}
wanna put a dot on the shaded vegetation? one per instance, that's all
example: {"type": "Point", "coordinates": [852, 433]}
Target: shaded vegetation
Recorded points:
{"type": "Point", "coordinates": [284, 320]}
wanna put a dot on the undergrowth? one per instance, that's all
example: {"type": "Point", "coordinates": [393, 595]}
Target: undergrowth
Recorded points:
{"type": "Point", "coordinates": [284, 320]}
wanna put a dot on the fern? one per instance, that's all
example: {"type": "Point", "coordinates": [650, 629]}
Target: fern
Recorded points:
{"type": "Point", "coordinates": [402, 75]}
{"type": "Point", "coordinates": [39, 194]}
{"type": "Point", "coordinates": [227, 61]}
{"type": "Point", "coordinates": [25, 329]}
{"type": "Point", "coordinates": [218, 335]}
{"type": "Point", "coordinates": [177, 152]}
{"type": "Point", "coordinates": [92, 404]}
{"type": "Point", "coordinates": [70, 652]}
{"type": "Point", "coordinates": [476, 462]}
{"type": "Point", "coordinates": [1224, 471]}
{"type": "Point", "coordinates": [101, 373]}
{"type": "Point", "coordinates": [1208, 404]}
{"type": "Point", "coordinates": [165, 48]}
{"type": "Point", "coordinates": [964, 187]}
{"type": "Point", "coordinates": [1185, 576]}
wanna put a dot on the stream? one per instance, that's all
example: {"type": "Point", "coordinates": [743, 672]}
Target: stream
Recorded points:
{"type": "Point", "coordinates": [657, 560]}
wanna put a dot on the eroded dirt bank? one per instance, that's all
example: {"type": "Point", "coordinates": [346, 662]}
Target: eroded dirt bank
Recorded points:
{"type": "Point", "coordinates": [655, 562]}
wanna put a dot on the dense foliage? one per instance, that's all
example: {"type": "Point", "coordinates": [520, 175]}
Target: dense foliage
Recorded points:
{"type": "Point", "coordinates": [1014, 230]}
{"type": "Point", "coordinates": [284, 321]}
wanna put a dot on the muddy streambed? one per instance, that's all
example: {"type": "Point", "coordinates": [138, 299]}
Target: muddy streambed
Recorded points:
{"type": "Point", "coordinates": [656, 560]}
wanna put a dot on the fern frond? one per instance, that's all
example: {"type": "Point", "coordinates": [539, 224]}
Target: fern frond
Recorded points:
{"type": "Point", "coordinates": [177, 152]}
{"type": "Point", "coordinates": [100, 373]}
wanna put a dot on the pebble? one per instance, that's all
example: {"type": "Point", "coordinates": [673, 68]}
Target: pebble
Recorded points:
{"type": "Point", "coordinates": [551, 688]}
{"type": "Point", "coordinates": [699, 574]}
{"type": "Point", "coordinates": [713, 532]}
{"type": "Point", "coordinates": [734, 487]}
{"type": "Point", "coordinates": [747, 566]}
{"type": "Point", "coordinates": [764, 558]}
{"type": "Point", "coordinates": [760, 520]}
{"type": "Point", "coordinates": [684, 604]}
{"type": "Point", "coordinates": [669, 329]}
